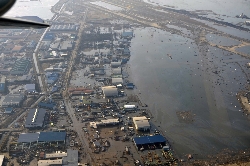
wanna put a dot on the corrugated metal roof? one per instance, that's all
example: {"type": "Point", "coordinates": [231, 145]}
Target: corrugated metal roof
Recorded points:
{"type": "Point", "coordinates": [28, 137]}
{"type": "Point", "coordinates": [35, 116]}
{"type": "Point", "coordinates": [51, 136]}
{"type": "Point", "coordinates": [149, 140]}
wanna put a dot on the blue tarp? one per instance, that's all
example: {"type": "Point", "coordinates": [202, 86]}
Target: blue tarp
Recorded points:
{"type": "Point", "coordinates": [52, 136]}
{"type": "Point", "coordinates": [149, 140]}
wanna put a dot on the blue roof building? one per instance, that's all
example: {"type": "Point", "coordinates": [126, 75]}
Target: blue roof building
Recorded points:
{"type": "Point", "coordinates": [149, 140]}
{"type": "Point", "coordinates": [52, 137]}
{"type": "Point", "coordinates": [2, 87]}
{"type": "Point", "coordinates": [127, 34]}
{"type": "Point", "coordinates": [49, 37]}
{"type": "Point", "coordinates": [50, 106]}
{"type": "Point", "coordinates": [8, 110]}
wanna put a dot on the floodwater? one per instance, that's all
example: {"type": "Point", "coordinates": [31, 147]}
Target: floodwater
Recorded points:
{"type": "Point", "coordinates": [221, 40]}
{"type": "Point", "coordinates": [203, 82]}
{"type": "Point", "coordinates": [245, 49]}
{"type": "Point", "coordinates": [106, 5]}
{"type": "Point", "coordinates": [218, 9]}
{"type": "Point", "coordinates": [41, 8]}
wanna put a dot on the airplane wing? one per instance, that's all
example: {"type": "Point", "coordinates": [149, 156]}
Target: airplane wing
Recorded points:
{"type": "Point", "coordinates": [13, 23]}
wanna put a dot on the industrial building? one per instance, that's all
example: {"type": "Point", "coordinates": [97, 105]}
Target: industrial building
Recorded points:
{"type": "Point", "coordinates": [105, 122]}
{"type": "Point", "coordinates": [52, 137]}
{"type": "Point", "coordinates": [8, 110]}
{"type": "Point", "coordinates": [109, 91]}
{"type": "Point", "coordinates": [127, 35]}
{"type": "Point", "coordinates": [49, 36]}
{"type": "Point", "coordinates": [66, 46]}
{"type": "Point", "coordinates": [13, 100]}
{"type": "Point", "coordinates": [42, 137]}
{"type": "Point", "coordinates": [116, 81]}
{"type": "Point", "coordinates": [28, 138]}
{"type": "Point", "coordinates": [115, 64]}
{"type": "Point", "coordinates": [64, 27]}
{"type": "Point", "coordinates": [30, 88]}
{"type": "Point", "coordinates": [35, 118]}
{"type": "Point", "coordinates": [129, 107]}
{"type": "Point", "coordinates": [141, 123]}
{"type": "Point", "coordinates": [130, 86]}
{"type": "Point", "coordinates": [20, 67]}
{"type": "Point", "coordinates": [45, 105]}
{"type": "Point", "coordinates": [69, 158]}
{"type": "Point", "coordinates": [117, 71]}
{"type": "Point", "coordinates": [3, 85]}
{"type": "Point", "coordinates": [147, 141]}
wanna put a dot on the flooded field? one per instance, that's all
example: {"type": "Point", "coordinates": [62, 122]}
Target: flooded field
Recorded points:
{"type": "Point", "coordinates": [106, 5]}
{"type": "Point", "coordinates": [218, 9]}
{"type": "Point", "coordinates": [33, 8]}
{"type": "Point", "coordinates": [221, 40]}
{"type": "Point", "coordinates": [245, 49]}
{"type": "Point", "coordinates": [172, 75]}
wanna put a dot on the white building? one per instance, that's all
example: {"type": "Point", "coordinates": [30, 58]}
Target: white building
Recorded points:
{"type": "Point", "coordinates": [129, 107]}
{"type": "Point", "coordinates": [141, 123]}
{"type": "Point", "coordinates": [50, 162]}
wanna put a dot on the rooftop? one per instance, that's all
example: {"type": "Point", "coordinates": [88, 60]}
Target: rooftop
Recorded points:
{"type": "Point", "coordinates": [52, 136]}
{"type": "Point", "coordinates": [28, 137]}
{"type": "Point", "coordinates": [35, 116]}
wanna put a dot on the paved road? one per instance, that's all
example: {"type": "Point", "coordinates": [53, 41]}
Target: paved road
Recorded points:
{"type": "Point", "coordinates": [77, 126]}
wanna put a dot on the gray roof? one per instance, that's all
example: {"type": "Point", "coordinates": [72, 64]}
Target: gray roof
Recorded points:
{"type": "Point", "coordinates": [110, 91]}
{"type": "Point", "coordinates": [65, 45]}
{"type": "Point", "coordinates": [117, 70]}
{"type": "Point", "coordinates": [30, 87]}
{"type": "Point", "coordinates": [13, 98]}
{"type": "Point", "coordinates": [115, 64]}
{"type": "Point", "coordinates": [28, 137]}
{"type": "Point", "coordinates": [72, 158]}
{"type": "Point", "coordinates": [117, 81]}
{"type": "Point", "coordinates": [38, 118]}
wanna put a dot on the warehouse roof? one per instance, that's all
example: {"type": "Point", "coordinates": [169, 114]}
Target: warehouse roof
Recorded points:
{"type": "Point", "coordinates": [51, 136]}
{"type": "Point", "coordinates": [28, 137]}
{"type": "Point", "coordinates": [35, 116]}
{"type": "Point", "coordinates": [72, 158]}
{"type": "Point", "coordinates": [49, 162]}
{"type": "Point", "coordinates": [117, 81]}
{"type": "Point", "coordinates": [149, 140]}
{"type": "Point", "coordinates": [12, 98]}
{"type": "Point", "coordinates": [110, 91]}
{"type": "Point", "coordinates": [30, 87]}
{"type": "Point", "coordinates": [141, 122]}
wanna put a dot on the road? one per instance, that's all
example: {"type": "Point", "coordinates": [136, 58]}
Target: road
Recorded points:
{"type": "Point", "coordinates": [77, 126]}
